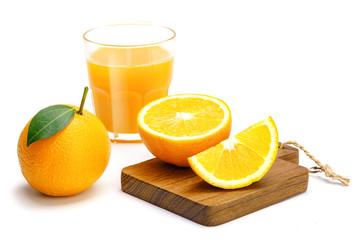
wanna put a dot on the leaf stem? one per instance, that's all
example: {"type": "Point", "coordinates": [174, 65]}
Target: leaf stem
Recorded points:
{"type": "Point", "coordinates": [86, 89]}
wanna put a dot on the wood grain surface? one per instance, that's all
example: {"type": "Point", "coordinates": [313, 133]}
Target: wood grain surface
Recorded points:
{"type": "Point", "coordinates": [181, 191]}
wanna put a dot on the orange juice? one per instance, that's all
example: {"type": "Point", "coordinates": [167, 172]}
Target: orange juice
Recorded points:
{"type": "Point", "coordinates": [123, 80]}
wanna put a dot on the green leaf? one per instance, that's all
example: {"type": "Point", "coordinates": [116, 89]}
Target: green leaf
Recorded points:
{"type": "Point", "coordinates": [49, 121]}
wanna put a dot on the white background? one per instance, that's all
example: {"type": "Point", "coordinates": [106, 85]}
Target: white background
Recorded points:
{"type": "Point", "coordinates": [297, 61]}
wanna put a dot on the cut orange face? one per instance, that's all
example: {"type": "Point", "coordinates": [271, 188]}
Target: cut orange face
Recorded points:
{"type": "Point", "coordinates": [176, 127]}
{"type": "Point", "coordinates": [240, 160]}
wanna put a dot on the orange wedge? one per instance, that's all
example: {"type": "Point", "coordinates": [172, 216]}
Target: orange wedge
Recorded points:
{"type": "Point", "coordinates": [176, 127]}
{"type": "Point", "coordinates": [240, 160]}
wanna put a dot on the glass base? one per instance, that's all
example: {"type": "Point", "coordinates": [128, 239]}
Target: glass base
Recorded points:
{"type": "Point", "coordinates": [124, 137]}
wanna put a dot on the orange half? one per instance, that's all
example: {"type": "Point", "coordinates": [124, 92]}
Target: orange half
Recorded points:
{"type": "Point", "coordinates": [176, 127]}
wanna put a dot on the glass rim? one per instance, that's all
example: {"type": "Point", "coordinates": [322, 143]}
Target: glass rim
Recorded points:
{"type": "Point", "coordinates": [129, 45]}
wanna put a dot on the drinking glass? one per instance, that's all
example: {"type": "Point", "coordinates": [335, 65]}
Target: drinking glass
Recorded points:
{"type": "Point", "coordinates": [129, 65]}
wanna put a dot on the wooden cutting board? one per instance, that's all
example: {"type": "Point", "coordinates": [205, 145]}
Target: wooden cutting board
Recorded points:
{"type": "Point", "coordinates": [181, 191]}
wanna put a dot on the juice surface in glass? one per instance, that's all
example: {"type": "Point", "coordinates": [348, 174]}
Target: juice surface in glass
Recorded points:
{"type": "Point", "coordinates": [123, 80]}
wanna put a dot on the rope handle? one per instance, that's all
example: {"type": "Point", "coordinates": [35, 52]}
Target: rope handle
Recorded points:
{"type": "Point", "coordinates": [320, 167]}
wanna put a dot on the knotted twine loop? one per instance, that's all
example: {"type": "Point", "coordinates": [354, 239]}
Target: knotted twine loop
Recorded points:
{"type": "Point", "coordinates": [320, 167]}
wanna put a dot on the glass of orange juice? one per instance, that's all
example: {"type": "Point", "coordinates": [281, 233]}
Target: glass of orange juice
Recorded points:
{"type": "Point", "coordinates": [129, 65]}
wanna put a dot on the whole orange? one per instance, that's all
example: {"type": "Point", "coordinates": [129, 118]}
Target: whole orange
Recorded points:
{"type": "Point", "coordinates": [68, 162]}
